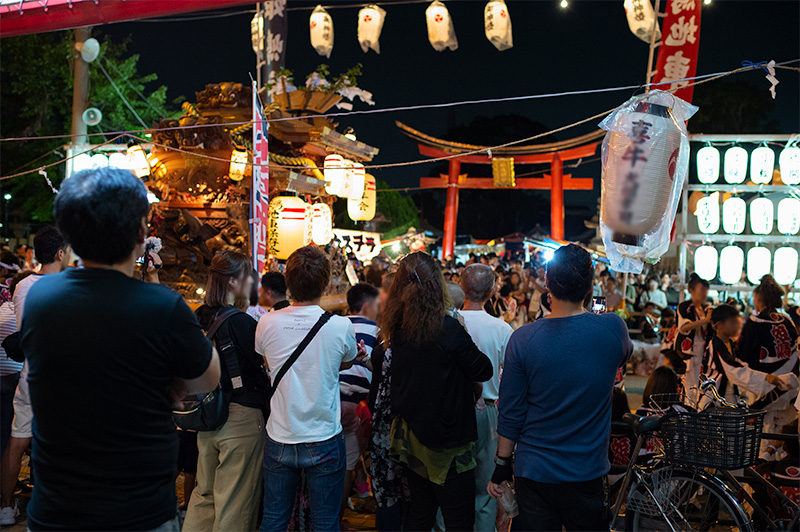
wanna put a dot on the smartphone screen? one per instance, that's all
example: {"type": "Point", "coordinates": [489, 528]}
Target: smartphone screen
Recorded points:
{"type": "Point", "coordinates": [599, 305]}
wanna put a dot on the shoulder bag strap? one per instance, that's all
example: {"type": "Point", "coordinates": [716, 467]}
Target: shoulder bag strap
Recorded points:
{"type": "Point", "coordinates": [300, 348]}
{"type": "Point", "coordinates": [225, 347]}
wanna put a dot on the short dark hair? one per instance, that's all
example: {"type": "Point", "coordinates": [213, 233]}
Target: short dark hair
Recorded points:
{"type": "Point", "coordinates": [770, 292]}
{"type": "Point", "coordinates": [275, 282]}
{"type": "Point", "coordinates": [308, 272]}
{"type": "Point", "coordinates": [696, 280]}
{"type": "Point", "coordinates": [47, 242]}
{"type": "Point", "coordinates": [477, 280]}
{"type": "Point", "coordinates": [100, 213]}
{"type": "Point", "coordinates": [723, 313]}
{"type": "Point", "coordinates": [570, 274]}
{"type": "Point", "coordinates": [359, 295]}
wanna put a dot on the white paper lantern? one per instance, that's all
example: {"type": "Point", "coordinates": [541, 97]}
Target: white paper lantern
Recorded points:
{"type": "Point", "coordinates": [335, 172]}
{"type": "Point", "coordinates": [731, 264]}
{"type": "Point", "coordinates": [497, 24]}
{"type": "Point", "coordinates": [762, 216]}
{"type": "Point", "coordinates": [290, 226]}
{"type": "Point", "coordinates": [789, 216]}
{"type": "Point", "coordinates": [119, 160]}
{"type": "Point", "coordinates": [708, 213]}
{"type": "Point", "coordinates": [734, 215]}
{"type": "Point", "coordinates": [759, 260]}
{"type": "Point", "coordinates": [789, 163]}
{"type": "Point", "coordinates": [641, 19]}
{"type": "Point", "coordinates": [441, 32]}
{"type": "Point", "coordinates": [81, 162]}
{"type": "Point", "coordinates": [322, 224]}
{"type": "Point", "coordinates": [784, 265]}
{"type": "Point", "coordinates": [363, 209]}
{"type": "Point", "coordinates": [762, 164]}
{"type": "Point", "coordinates": [238, 165]}
{"type": "Point", "coordinates": [138, 161]}
{"type": "Point", "coordinates": [708, 165]}
{"type": "Point", "coordinates": [320, 26]}
{"type": "Point", "coordinates": [706, 261]}
{"type": "Point", "coordinates": [735, 165]}
{"type": "Point", "coordinates": [99, 160]}
{"type": "Point", "coordinates": [357, 178]}
{"type": "Point", "coordinates": [370, 24]}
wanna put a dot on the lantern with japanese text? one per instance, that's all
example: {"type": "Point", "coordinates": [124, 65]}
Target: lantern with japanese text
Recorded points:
{"type": "Point", "coordinates": [370, 24]}
{"type": "Point", "coordinates": [497, 24]}
{"type": "Point", "coordinates": [441, 32]}
{"type": "Point", "coordinates": [641, 19]}
{"type": "Point", "coordinates": [731, 264]}
{"type": "Point", "coordinates": [238, 165]}
{"type": "Point", "coordinates": [759, 260]}
{"type": "Point", "coordinates": [363, 209]}
{"type": "Point", "coordinates": [322, 224]}
{"type": "Point", "coordinates": [290, 225]}
{"type": "Point", "coordinates": [320, 25]}
{"type": "Point", "coordinates": [138, 161]}
{"type": "Point", "coordinates": [735, 165]}
{"type": "Point", "coordinates": [784, 265]}
{"type": "Point", "coordinates": [708, 165]}
{"type": "Point", "coordinates": [357, 178]}
{"type": "Point", "coordinates": [335, 171]}
{"type": "Point", "coordinates": [706, 260]}
{"type": "Point", "coordinates": [734, 215]}
{"type": "Point", "coordinates": [789, 162]}
{"type": "Point", "coordinates": [708, 213]}
{"type": "Point", "coordinates": [762, 216]}
{"type": "Point", "coordinates": [789, 216]}
{"type": "Point", "coordinates": [762, 163]}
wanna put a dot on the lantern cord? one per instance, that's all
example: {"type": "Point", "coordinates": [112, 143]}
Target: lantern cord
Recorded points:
{"type": "Point", "coordinates": [119, 93]}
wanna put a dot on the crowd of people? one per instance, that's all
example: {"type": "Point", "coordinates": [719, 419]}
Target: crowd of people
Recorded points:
{"type": "Point", "coordinates": [439, 389]}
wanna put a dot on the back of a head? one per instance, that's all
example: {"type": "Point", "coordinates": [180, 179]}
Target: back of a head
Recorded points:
{"type": "Point", "coordinates": [308, 272]}
{"type": "Point", "coordinates": [770, 293]}
{"type": "Point", "coordinates": [101, 213]}
{"type": "Point", "coordinates": [570, 274]}
{"type": "Point", "coordinates": [697, 281]}
{"type": "Point", "coordinates": [477, 281]}
{"type": "Point", "coordinates": [9, 261]}
{"type": "Point", "coordinates": [359, 295]}
{"type": "Point", "coordinates": [456, 294]}
{"type": "Point", "coordinates": [619, 404]}
{"type": "Point", "coordinates": [275, 282]}
{"type": "Point", "coordinates": [664, 380]}
{"type": "Point", "coordinates": [47, 242]}
{"type": "Point", "coordinates": [723, 312]}
{"type": "Point", "coordinates": [225, 266]}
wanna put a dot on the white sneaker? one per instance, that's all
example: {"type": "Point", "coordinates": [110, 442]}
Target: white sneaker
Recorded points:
{"type": "Point", "coordinates": [8, 515]}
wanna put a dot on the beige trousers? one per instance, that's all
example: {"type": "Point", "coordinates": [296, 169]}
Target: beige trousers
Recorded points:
{"type": "Point", "coordinates": [229, 476]}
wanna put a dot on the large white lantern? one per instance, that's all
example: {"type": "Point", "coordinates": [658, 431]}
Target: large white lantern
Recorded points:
{"type": "Point", "coordinates": [356, 180]}
{"type": "Point", "coordinates": [762, 164]}
{"type": "Point", "coordinates": [708, 213]}
{"type": "Point", "coordinates": [759, 260]}
{"type": "Point", "coordinates": [762, 214]}
{"type": "Point", "coordinates": [731, 264]}
{"type": "Point", "coordinates": [290, 226]}
{"type": "Point", "coordinates": [708, 165]}
{"type": "Point", "coordinates": [119, 160]}
{"type": "Point", "coordinates": [441, 32]}
{"type": "Point", "coordinates": [784, 265]}
{"type": "Point", "coordinates": [370, 24]}
{"type": "Point", "coordinates": [789, 216]}
{"type": "Point", "coordinates": [705, 262]}
{"type": "Point", "coordinates": [322, 224]}
{"type": "Point", "coordinates": [320, 26]}
{"type": "Point", "coordinates": [335, 171]}
{"type": "Point", "coordinates": [641, 19]}
{"type": "Point", "coordinates": [497, 24]}
{"type": "Point", "coordinates": [734, 215]}
{"type": "Point", "coordinates": [789, 162]}
{"type": "Point", "coordinates": [81, 162]}
{"type": "Point", "coordinates": [363, 209]}
{"type": "Point", "coordinates": [138, 161]}
{"type": "Point", "coordinates": [735, 165]}
{"type": "Point", "coordinates": [99, 160]}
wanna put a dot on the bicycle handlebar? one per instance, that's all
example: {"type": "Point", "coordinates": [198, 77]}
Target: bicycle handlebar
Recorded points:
{"type": "Point", "coordinates": [708, 384]}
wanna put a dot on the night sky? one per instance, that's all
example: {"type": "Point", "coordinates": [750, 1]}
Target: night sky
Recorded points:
{"type": "Point", "coordinates": [587, 45]}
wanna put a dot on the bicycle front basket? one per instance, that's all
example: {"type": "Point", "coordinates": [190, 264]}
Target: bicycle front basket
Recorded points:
{"type": "Point", "coordinates": [722, 438]}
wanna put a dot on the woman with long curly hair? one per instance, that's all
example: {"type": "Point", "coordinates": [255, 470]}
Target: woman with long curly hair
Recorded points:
{"type": "Point", "coordinates": [434, 366]}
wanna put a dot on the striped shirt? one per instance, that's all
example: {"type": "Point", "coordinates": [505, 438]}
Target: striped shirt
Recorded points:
{"type": "Point", "coordinates": [354, 382]}
{"type": "Point", "coordinates": [8, 325]}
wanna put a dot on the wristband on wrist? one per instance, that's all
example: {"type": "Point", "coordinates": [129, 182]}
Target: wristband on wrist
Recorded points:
{"type": "Point", "coordinates": [502, 461]}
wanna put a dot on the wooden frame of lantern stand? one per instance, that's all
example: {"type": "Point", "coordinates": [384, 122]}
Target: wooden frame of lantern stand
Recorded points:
{"type": "Point", "coordinates": [685, 237]}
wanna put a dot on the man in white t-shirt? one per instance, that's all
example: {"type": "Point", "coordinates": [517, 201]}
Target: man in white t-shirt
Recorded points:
{"type": "Point", "coordinates": [491, 335]}
{"type": "Point", "coordinates": [304, 431]}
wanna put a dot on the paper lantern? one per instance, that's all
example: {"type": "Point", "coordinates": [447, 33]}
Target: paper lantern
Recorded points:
{"type": "Point", "coordinates": [119, 160]}
{"type": "Point", "coordinates": [735, 165]}
{"type": "Point", "coordinates": [322, 224]}
{"type": "Point", "coordinates": [731, 264]}
{"type": "Point", "coordinates": [98, 160]}
{"type": "Point", "coordinates": [81, 162]}
{"type": "Point", "coordinates": [759, 260]}
{"type": "Point", "coordinates": [641, 19]}
{"type": "Point", "coordinates": [320, 26]}
{"type": "Point", "coordinates": [238, 163]}
{"type": "Point", "coordinates": [441, 32]}
{"type": "Point", "coordinates": [789, 216]}
{"type": "Point", "coordinates": [138, 161]}
{"type": "Point", "coordinates": [357, 179]}
{"type": "Point", "coordinates": [762, 214]}
{"type": "Point", "coordinates": [708, 213]}
{"type": "Point", "coordinates": [784, 265]}
{"type": "Point", "coordinates": [789, 163]}
{"type": "Point", "coordinates": [734, 215]}
{"type": "Point", "coordinates": [708, 165]}
{"type": "Point", "coordinates": [706, 260]}
{"type": "Point", "coordinates": [762, 164]}
{"type": "Point", "coordinates": [497, 24]}
{"type": "Point", "coordinates": [370, 24]}
{"type": "Point", "coordinates": [363, 209]}
{"type": "Point", "coordinates": [290, 226]}
{"type": "Point", "coordinates": [335, 171]}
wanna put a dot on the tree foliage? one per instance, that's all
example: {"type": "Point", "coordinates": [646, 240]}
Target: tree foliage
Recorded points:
{"type": "Point", "coordinates": [399, 209]}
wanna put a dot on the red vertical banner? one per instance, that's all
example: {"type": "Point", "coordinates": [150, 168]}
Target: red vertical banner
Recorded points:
{"type": "Point", "coordinates": [259, 191]}
{"type": "Point", "coordinates": [680, 43]}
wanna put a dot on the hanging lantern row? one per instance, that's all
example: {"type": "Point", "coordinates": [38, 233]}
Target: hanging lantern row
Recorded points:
{"type": "Point", "coordinates": [441, 32]}
{"type": "Point", "coordinates": [293, 223]}
{"type": "Point", "coordinates": [731, 263]}
{"type": "Point", "coordinates": [762, 164]}
{"type": "Point", "coordinates": [734, 213]}
{"type": "Point", "coordinates": [134, 159]}
{"type": "Point", "coordinates": [343, 177]}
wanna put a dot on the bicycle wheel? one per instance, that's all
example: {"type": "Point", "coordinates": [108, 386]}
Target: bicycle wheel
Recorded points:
{"type": "Point", "coordinates": [670, 499]}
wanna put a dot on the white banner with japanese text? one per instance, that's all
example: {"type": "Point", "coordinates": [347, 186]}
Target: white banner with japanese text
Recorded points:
{"type": "Point", "coordinates": [363, 245]}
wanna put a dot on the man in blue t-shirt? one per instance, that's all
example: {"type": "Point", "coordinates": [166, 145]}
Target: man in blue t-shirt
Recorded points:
{"type": "Point", "coordinates": [555, 404]}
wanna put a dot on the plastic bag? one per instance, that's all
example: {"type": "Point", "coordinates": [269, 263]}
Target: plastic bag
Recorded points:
{"type": "Point", "coordinates": [645, 158]}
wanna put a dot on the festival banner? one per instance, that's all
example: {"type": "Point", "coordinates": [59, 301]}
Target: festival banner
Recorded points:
{"type": "Point", "coordinates": [680, 43]}
{"type": "Point", "coordinates": [259, 191]}
{"type": "Point", "coordinates": [362, 244]}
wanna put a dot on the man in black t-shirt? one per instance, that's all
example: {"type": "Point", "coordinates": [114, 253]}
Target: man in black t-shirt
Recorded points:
{"type": "Point", "coordinates": [106, 352]}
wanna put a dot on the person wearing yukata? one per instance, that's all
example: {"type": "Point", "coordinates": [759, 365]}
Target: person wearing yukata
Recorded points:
{"type": "Point", "coordinates": [691, 340]}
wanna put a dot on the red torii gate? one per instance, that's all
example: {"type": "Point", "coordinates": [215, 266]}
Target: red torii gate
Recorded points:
{"type": "Point", "coordinates": [556, 181]}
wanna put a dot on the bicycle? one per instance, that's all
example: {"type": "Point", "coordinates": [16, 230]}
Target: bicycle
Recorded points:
{"type": "Point", "coordinates": [688, 485]}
